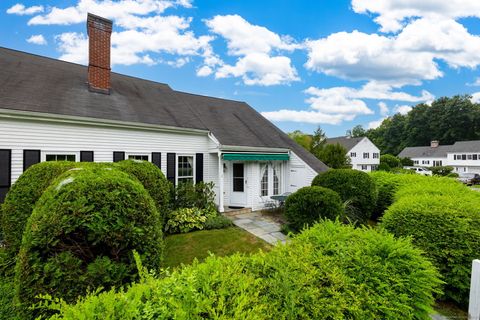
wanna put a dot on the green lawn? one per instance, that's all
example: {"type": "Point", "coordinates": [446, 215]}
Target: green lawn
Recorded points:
{"type": "Point", "coordinates": [183, 248]}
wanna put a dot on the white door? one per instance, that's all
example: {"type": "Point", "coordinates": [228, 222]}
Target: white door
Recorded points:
{"type": "Point", "coordinates": [238, 190]}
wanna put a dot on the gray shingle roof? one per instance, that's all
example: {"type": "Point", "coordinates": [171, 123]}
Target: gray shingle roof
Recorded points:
{"type": "Point", "coordinates": [39, 84]}
{"type": "Point", "coordinates": [345, 141]}
{"type": "Point", "coordinates": [426, 152]}
{"type": "Point", "coordinates": [466, 146]}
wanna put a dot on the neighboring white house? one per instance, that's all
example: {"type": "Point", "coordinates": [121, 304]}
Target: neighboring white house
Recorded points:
{"type": "Point", "coordinates": [363, 154]}
{"type": "Point", "coordinates": [463, 156]}
{"type": "Point", "coordinates": [54, 110]}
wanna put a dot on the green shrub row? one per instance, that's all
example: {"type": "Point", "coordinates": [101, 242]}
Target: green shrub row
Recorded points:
{"type": "Point", "coordinates": [356, 189]}
{"type": "Point", "coordinates": [331, 271]}
{"type": "Point", "coordinates": [309, 205]}
{"type": "Point", "coordinates": [443, 218]}
{"type": "Point", "coordinates": [21, 199]}
{"type": "Point", "coordinates": [81, 234]}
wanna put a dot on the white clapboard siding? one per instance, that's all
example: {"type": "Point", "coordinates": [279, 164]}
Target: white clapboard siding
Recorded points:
{"type": "Point", "coordinates": [19, 135]}
{"type": "Point", "coordinates": [299, 174]}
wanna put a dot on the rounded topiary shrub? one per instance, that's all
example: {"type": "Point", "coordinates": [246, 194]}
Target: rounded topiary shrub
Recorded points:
{"type": "Point", "coordinates": [330, 271]}
{"type": "Point", "coordinates": [153, 181]}
{"type": "Point", "coordinates": [447, 229]}
{"type": "Point", "coordinates": [356, 189]}
{"type": "Point", "coordinates": [21, 199]}
{"type": "Point", "coordinates": [82, 233]}
{"type": "Point", "coordinates": [311, 204]}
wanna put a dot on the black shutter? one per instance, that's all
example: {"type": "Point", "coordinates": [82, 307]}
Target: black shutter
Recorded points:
{"type": "Point", "coordinates": [5, 172]}
{"type": "Point", "coordinates": [157, 159]}
{"type": "Point", "coordinates": [171, 159]}
{"type": "Point", "coordinates": [30, 157]}
{"type": "Point", "coordinates": [86, 156]}
{"type": "Point", "coordinates": [118, 156]}
{"type": "Point", "coordinates": [199, 167]}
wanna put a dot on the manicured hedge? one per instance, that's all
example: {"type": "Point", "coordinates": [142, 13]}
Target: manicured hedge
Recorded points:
{"type": "Point", "coordinates": [82, 232]}
{"type": "Point", "coordinates": [311, 204]}
{"type": "Point", "coordinates": [389, 161]}
{"type": "Point", "coordinates": [331, 271]}
{"type": "Point", "coordinates": [21, 199]}
{"type": "Point", "coordinates": [153, 181]}
{"type": "Point", "coordinates": [444, 222]}
{"type": "Point", "coordinates": [355, 187]}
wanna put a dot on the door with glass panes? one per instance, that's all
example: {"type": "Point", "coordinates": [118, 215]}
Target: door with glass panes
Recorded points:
{"type": "Point", "coordinates": [270, 179]}
{"type": "Point", "coordinates": [238, 191]}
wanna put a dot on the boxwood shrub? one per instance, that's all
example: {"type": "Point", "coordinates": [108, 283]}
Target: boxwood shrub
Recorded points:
{"type": "Point", "coordinates": [21, 199]}
{"type": "Point", "coordinates": [153, 181]}
{"type": "Point", "coordinates": [81, 235]}
{"type": "Point", "coordinates": [447, 227]}
{"type": "Point", "coordinates": [312, 204]}
{"type": "Point", "coordinates": [331, 271]}
{"type": "Point", "coordinates": [355, 187]}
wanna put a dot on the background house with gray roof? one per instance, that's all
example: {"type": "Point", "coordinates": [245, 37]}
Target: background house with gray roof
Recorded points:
{"type": "Point", "coordinates": [363, 154]}
{"type": "Point", "coordinates": [463, 156]}
{"type": "Point", "coordinates": [53, 110]}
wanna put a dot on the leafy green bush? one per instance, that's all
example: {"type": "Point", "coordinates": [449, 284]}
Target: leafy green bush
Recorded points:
{"type": "Point", "coordinates": [21, 199]}
{"type": "Point", "coordinates": [387, 185]}
{"type": "Point", "coordinates": [153, 181]}
{"type": "Point", "coordinates": [447, 228]}
{"type": "Point", "coordinates": [452, 175]}
{"type": "Point", "coordinates": [407, 162]}
{"type": "Point", "coordinates": [353, 186]}
{"type": "Point", "coordinates": [82, 232]}
{"type": "Point", "coordinates": [441, 171]}
{"type": "Point", "coordinates": [309, 205]}
{"type": "Point", "coordinates": [217, 222]}
{"type": "Point", "coordinates": [388, 161]}
{"type": "Point", "coordinates": [199, 196]}
{"type": "Point", "coordinates": [331, 271]}
{"type": "Point", "coordinates": [187, 219]}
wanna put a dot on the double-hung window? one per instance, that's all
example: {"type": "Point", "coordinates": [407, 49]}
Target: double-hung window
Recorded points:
{"type": "Point", "coordinates": [185, 169]}
{"type": "Point", "coordinates": [376, 155]}
{"type": "Point", "coordinates": [353, 154]}
{"type": "Point", "coordinates": [366, 155]}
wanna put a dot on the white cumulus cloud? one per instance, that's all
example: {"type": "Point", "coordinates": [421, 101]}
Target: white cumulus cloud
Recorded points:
{"type": "Point", "coordinates": [476, 97]}
{"type": "Point", "coordinates": [404, 109]}
{"type": "Point", "coordinates": [21, 10]}
{"type": "Point", "coordinates": [383, 108]}
{"type": "Point", "coordinates": [392, 15]}
{"type": "Point", "coordinates": [258, 50]}
{"type": "Point", "coordinates": [37, 39]}
{"type": "Point", "coordinates": [375, 124]}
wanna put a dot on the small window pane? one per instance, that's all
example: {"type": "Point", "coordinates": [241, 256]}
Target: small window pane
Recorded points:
{"type": "Point", "coordinates": [50, 157]}
{"type": "Point", "coordinates": [276, 181]}
{"type": "Point", "coordinates": [264, 182]}
{"type": "Point", "coordinates": [71, 157]}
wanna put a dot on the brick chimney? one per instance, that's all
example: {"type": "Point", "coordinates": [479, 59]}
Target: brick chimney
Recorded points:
{"type": "Point", "coordinates": [99, 31]}
{"type": "Point", "coordinates": [434, 143]}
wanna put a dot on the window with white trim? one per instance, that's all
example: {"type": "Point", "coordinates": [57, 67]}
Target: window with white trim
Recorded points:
{"type": "Point", "coordinates": [376, 155]}
{"type": "Point", "coordinates": [143, 157]}
{"type": "Point", "coordinates": [353, 154]}
{"type": "Point", "coordinates": [60, 157]}
{"type": "Point", "coordinates": [366, 155]}
{"type": "Point", "coordinates": [264, 182]}
{"type": "Point", "coordinates": [364, 167]}
{"type": "Point", "coordinates": [185, 169]}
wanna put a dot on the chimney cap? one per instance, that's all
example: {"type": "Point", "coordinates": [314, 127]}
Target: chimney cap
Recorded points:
{"type": "Point", "coordinates": [94, 17]}
{"type": "Point", "coordinates": [434, 143]}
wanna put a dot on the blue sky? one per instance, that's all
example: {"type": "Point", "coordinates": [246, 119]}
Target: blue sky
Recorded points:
{"type": "Point", "coordinates": [300, 63]}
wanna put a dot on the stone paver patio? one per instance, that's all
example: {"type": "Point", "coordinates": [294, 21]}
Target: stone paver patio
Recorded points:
{"type": "Point", "coordinates": [261, 226]}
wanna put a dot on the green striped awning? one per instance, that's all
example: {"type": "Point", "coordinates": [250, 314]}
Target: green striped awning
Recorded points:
{"type": "Point", "coordinates": [256, 156]}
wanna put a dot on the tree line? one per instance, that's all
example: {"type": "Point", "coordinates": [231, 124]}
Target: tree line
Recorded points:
{"type": "Point", "coordinates": [447, 119]}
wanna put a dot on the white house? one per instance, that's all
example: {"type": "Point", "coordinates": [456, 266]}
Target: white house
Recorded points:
{"type": "Point", "coordinates": [463, 156]}
{"type": "Point", "coordinates": [363, 154]}
{"type": "Point", "coordinates": [54, 110]}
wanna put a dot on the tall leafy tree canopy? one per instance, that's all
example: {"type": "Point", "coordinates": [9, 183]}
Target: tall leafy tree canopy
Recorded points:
{"type": "Point", "coordinates": [303, 139]}
{"type": "Point", "coordinates": [334, 156]}
{"type": "Point", "coordinates": [446, 119]}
